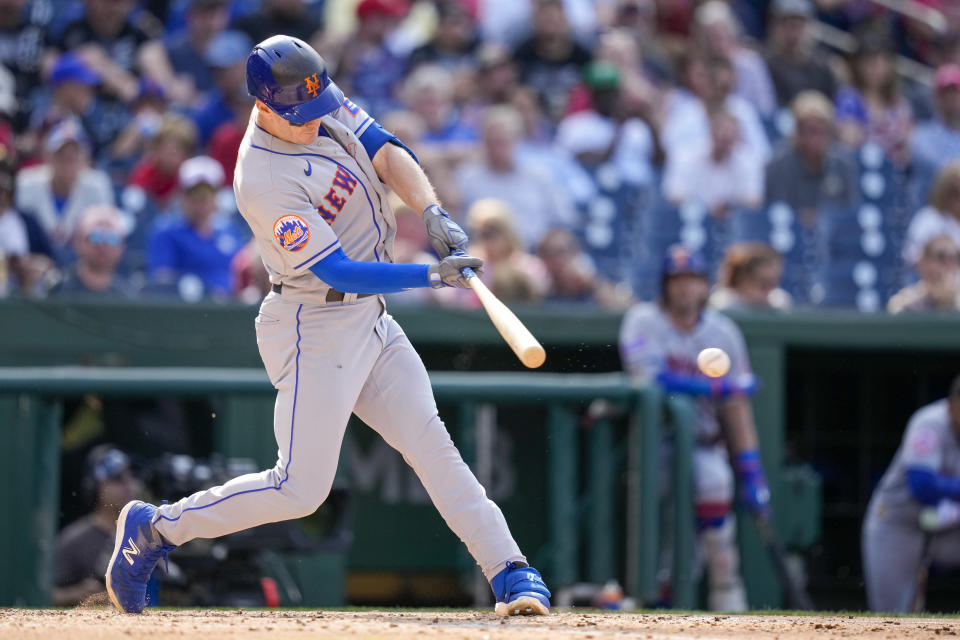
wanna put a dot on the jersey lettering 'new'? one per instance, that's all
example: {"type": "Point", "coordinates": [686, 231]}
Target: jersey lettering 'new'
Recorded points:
{"type": "Point", "coordinates": [928, 443]}
{"type": "Point", "coordinates": [649, 344]}
{"type": "Point", "coordinates": [303, 202]}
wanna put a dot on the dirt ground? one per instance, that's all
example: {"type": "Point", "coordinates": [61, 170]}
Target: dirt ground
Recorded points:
{"type": "Point", "coordinates": [102, 623]}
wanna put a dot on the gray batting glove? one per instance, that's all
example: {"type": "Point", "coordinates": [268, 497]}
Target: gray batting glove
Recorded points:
{"type": "Point", "coordinates": [445, 235]}
{"type": "Point", "coordinates": [447, 273]}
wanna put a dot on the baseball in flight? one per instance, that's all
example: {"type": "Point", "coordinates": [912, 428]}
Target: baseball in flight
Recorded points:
{"type": "Point", "coordinates": [713, 362]}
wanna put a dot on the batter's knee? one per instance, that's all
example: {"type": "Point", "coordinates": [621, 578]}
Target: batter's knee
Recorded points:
{"type": "Point", "coordinates": [304, 493]}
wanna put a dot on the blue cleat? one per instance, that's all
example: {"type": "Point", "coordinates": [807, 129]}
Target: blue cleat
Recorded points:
{"type": "Point", "coordinates": [137, 549]}
{"type": "Point", "coordinates": [520, 591]}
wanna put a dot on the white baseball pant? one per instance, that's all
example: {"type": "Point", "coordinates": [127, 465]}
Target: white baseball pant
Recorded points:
{"type": "Point", "coordinates": [327, 362]}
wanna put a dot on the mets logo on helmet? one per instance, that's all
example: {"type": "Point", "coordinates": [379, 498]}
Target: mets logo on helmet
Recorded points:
{"type": "Point", "coordinates": [291, 232]}
{"type": "Point", "coordinates": [313, 85]}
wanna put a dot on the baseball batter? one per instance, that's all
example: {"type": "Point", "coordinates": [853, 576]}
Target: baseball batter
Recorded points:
{"type": "Point", "coordinates": [311, 182]}
{"type": "Point", "coordinates": [925, 473]}
{"type": "Point", "coordinates": [660, 342]}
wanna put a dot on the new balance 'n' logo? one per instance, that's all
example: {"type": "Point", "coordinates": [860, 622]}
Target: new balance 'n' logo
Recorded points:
{"type": "Point", "coordinates": [129, 551]}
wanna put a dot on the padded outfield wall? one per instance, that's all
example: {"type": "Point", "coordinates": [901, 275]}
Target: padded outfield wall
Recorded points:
{"type": "Point", "coordinates": [837, 390]}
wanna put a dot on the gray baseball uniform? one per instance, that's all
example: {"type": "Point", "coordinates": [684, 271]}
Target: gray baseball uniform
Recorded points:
{"type": "Point", "coordinates": [650, 344]}
{"type": "Point", "coordinates": [328, 360]}
{"type": "Point", "coordinates": [892, 538]}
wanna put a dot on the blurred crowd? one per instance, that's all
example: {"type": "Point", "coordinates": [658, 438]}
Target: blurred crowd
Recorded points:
{"type": "Point", "coordinates": [809, 150]}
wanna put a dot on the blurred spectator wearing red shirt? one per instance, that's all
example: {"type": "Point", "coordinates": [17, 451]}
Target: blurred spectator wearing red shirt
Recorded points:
{"type": "Point", "coordinates": [156, 173]}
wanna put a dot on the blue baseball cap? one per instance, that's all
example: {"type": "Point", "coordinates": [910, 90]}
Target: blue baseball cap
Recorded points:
{"type": "Point", "coordinates": [70, 67]}
{"type": "Point", "coordinates": [679, 260]}
{"type": "Point", "coordinates": [108, 462]}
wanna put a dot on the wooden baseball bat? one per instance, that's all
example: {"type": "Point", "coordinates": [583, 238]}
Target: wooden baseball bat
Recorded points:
{"type": "Point", "coordinates": [919, 601]}
{"type": "Point", "coordinates": [516, 335]}
{"type": "Point", "coordinates": [797, 596]}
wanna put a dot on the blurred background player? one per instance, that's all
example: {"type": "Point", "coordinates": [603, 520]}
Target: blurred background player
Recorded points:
{"type": "Point", "coordinates": [660, 342]}
{"type": "Point", "coordinates": [925, 472]}
{"type": "Point", "coordinates": [83, 547]}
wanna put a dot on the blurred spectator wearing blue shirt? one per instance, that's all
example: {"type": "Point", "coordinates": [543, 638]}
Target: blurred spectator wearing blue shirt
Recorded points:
{"type": "Point", "coordinates": [428, 92]}
{"type": "Point", "coordinates": [192, 253]}
{"type": "Point", "coordinates": [873, 108]}
{"type": "Point", "coordinates": [72, 92]}
{"type": "Point", "coordinates": [371, 70]}
{"type": "Point", "coordinates": [938, 141]}
{"type": "Point", "coordinates": [227, 58]}
{"type": "Point", "coordinates": [187, 48]}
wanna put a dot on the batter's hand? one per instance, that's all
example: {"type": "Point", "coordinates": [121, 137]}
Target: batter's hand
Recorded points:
{"type": "Point", "coordinates": [445, 235]}
{"type": "Point", "coordinates": [754, 491]}
{"type": "Point", "coordinates": [448, 272]}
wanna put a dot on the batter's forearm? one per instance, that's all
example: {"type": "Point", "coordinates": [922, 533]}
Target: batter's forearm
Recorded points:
{"type": "Point", "coordinates": [725, 387]}
{"type": "Point", "coordinates": [400, 172]}
{"type": "Point", "coordinates": [353, 276]}
{"type": "Point", "coordinates": [737, 417]}
{"type": "Point", "coordinates": [929, 487]}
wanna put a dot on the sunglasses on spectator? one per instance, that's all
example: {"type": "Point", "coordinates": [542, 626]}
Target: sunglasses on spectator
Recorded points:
{"type": "Point", "coordinates": [944, 257]}
{"type": "Point", "coordinates": [104, 237]}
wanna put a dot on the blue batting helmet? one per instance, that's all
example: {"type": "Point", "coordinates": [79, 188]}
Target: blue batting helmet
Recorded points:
{"type": "Point", "coordinates": [679, 260]}
{"type": "Point", "coordinates": [288, 76]}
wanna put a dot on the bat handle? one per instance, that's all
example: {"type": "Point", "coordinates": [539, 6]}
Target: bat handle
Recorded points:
{"type": "Point", "coordinates": [467, 272]}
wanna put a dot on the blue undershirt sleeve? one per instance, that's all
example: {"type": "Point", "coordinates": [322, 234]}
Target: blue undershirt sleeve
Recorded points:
{"type": "Point", "coordinates": [375, 136]}
{"type": "Point", "coordinates": [717, 387]}
{"type": "Point", "coordinates": [930, 487]}
{"type": "Point", "coordinates": [353, 276]}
